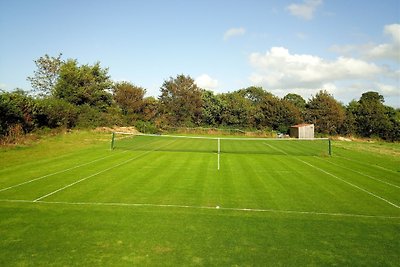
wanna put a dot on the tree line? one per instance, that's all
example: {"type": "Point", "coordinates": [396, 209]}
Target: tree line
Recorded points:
{"type": "Point", "coordinates": [68, 94]}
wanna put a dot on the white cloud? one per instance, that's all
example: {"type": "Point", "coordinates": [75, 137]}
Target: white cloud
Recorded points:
{"type": "Point", "coordinates": [388, 89]}
{"type": "Point", "coordinates": [206, 82]}
{"type": "Point", "coordinates": [3, 86]}
{"type": "Point", "coordinates": [233, 32]}
{"type": "Point", "coordinates": [305, 10]}
{"type": "Point", "coordinates": [384, 51]}
{"type": "Point", "coordinates": [387, 50]}
{"type": "Point", "coordinates": [394, 31]}
{"type": "Point", "coordinates": [278, 68]}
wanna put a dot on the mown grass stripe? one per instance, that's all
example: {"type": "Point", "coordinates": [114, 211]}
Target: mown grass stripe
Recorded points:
{"type": "Point", "coordinates": [66, 170]}
{"type": "Point", "coordinates": [363, 174]}
{"type": "Point", "coordinates": [97, 173]}
{"type": "Point", "coordinates": [367, 164]}
{"type": "Point", "coordinates": [336, 177]}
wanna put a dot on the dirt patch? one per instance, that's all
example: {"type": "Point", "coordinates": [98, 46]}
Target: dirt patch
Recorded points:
{"type": "Point", "coordinates": [129, 129]}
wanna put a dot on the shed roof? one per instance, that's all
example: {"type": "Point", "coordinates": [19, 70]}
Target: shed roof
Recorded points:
{"type": "Point", "coordinates": [301, 125]}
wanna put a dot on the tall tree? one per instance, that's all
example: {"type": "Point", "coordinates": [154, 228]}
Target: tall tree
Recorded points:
{"type": "Point", "coordinates": [211, 109]}
{"type": "Point", "coordinates": [393, 132]}
{"type": "Point", "coordinates": [150, 108]}
{"type": "Point", "coordinates": [296, 100]}
{"type": "Point", "coordinates": [325, 112]}
{"type": "Point", "coordinates": [181, 101]}
{"type": "Point", "coordinates": [287, 114]}
{"type": "Point", "coordinates": [349, 126]}
{"type": "Point", "coordinates": [46, 76]}
{"type": "Point", "coordinates": [257, 99]}
{"type": "Point", "coordinates": [371, 116]}
{"type": "Point", "coordinates": [129, 97]}
{"type": "Point", "coordinates": [84, 85]}
{"type": "Point", "coordinates": [236, 110]}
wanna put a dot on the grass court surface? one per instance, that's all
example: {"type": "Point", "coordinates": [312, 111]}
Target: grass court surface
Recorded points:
{"type": "Point", "coordinates": [69, 200]}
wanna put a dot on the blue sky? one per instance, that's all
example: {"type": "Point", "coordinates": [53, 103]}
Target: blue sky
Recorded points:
{"type": "Point", "coordinates": [344, 46]}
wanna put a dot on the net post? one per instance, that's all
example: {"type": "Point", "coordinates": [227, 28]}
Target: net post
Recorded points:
{"type": "Point", "coordinates": [330, 146]}
{"type": "Point", "coordinates": [112, 141]}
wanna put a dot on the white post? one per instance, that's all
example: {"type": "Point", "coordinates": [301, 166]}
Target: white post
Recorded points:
{"type": "Point", "coordinates": [219, 150]}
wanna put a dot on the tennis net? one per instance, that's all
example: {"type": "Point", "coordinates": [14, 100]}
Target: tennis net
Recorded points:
{"type": "Point", "coordinates": [206, 144]}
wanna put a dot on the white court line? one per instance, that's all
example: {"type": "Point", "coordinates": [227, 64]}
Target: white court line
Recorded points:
{"type": "Point", "coordinates": [121, 204]}
{"type": "Point", "coordinates": [97, 173]}
{"type": "Point", "coordinates": [336, 177]}
{"type": "Point", "coordinates": [370, 165]}
{"type": "Point", "coordinates": [65, 170]}
{"type": "Point", "coordinates": [363, 174]}
{"type": "Point", "coordinates": [54, 173]}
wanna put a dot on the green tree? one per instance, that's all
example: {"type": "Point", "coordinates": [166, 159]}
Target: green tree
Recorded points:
{"type": "Point", "coordinates": [394, 133]}
{"type": "Point", "coordinates": [296, 100]}
{"type": "Point", "coordinates": [181, 101]}
{"type": "Point", "coordinates": [372, 118]}
{"type": "Point", "coordinates": [257, 99]}
{"type": "Point", "coordinates": [236, 110]}
{"type": "Point", "coordinates": [129, 97]}
{"type": "Point", "coordinates": [84, 85]}
{"type": "Point", "coordinates": [150, 108]}
{"type": "Point", "coordinates": [46, 76]}
{"type": "Point", "coordinates": [349, 126]}
{"type": "Point", "coordinates": [211, 109]}
{"type": "Point", "coordinates": [325, 112]}
{"type": "Point", "coordinates": [53, 113]}
{"type": "Point", "coordinates": [287, 114]}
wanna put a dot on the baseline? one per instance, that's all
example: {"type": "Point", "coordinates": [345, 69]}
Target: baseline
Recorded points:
{"type": "Point", "coordinates": [218, 208]}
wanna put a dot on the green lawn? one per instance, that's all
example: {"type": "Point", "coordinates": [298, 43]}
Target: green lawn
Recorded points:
{"type": "Point", "coordinates": [70, 201]}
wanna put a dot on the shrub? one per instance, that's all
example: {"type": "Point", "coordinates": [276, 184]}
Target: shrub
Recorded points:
{"type": "Point", "coordinates": [53, 113]}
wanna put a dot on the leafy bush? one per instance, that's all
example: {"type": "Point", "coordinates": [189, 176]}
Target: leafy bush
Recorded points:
{"type": "Point", "coordinates": [90, 117]}
{"type": "Point", "coordinates": [53, 113]}
{"type": "Point", "coordinates": [146, 127]}
{"type": "Point", "coordinates": [15, 108]}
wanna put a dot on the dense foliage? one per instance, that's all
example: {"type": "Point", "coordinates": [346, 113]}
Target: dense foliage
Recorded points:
{"type": "Point", "coordinates": [67, 94]}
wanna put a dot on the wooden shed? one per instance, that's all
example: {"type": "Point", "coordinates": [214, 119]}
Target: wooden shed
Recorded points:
{"type": "Point", "coordinates": [301, 131]}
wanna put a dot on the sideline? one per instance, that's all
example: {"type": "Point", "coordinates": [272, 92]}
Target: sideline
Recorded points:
{"type": "Point", "coordinates": [65, 170]}
{"type": "Point", "coordinates": [97, 173]}
{"type": "Point", "coordinates": [363, 174]}
{"type": "Point", "coordinates": [367, 164]}
{"type": "Point", "coordinates": [338, 178]}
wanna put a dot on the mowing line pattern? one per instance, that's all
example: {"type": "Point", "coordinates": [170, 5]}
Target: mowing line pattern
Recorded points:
{"type": "Point", "coordinates": [369, 165]}
{"type": "Point", "coordinates": [289, 210]}
{"type": "Point", "coordinates": [363, 174]}
{"type": "Point", "coordinates": [65, 170]}
{"type": "Point", "coordinates": [102, 171]}
{"type": "Point", "coordinates": [54, 173]}
{"type": "Point", "coordinates": [336, 177]}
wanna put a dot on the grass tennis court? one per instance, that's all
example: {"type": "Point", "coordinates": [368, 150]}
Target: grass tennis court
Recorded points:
{"type": "Point", "coordinates": [70, 200]}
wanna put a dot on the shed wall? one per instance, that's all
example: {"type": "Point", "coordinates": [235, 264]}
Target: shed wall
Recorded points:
{"type": "Point", "coordinates": [304, 131]}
